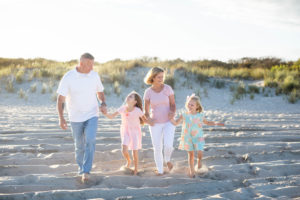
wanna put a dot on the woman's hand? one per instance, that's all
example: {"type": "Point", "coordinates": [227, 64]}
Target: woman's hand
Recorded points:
{"type": "Point", "coordinates": [150, 121]}
{"type": "Point", "coordinates": [171, 115]}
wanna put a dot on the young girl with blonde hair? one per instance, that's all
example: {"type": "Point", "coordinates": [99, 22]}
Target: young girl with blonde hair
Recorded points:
{"type": "Point", "coordinates": [192, 138]}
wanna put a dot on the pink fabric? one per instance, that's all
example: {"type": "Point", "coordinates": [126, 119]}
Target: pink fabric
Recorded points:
{"type": "Point", "coordinates": [131, 134]}
{"type": "Point", "coordinates": [159, 103]}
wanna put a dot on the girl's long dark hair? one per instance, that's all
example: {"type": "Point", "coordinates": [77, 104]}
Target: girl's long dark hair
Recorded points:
{"type": "Point", "coordinates": [139, 103]}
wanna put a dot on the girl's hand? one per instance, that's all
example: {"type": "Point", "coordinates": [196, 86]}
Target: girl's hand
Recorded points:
{"type": "Point", "coordinates": [220, 124]}
{"type": "Point", "coordinates": [103, 109]}
{"type": "Point", "coordinates": [150, 121]}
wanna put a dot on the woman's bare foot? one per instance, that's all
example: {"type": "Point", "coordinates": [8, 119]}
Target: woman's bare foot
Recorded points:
{"type": "Point", "coordinates": [158, 174]}
{"type": "Point", "coordinates": [85, 177]}
{"type": "Point", "coordinates": [170, 166]}
{"type": "Point", "coordinates": [192, 175]}
{"type": "Point", "coordinates": [135, 172]}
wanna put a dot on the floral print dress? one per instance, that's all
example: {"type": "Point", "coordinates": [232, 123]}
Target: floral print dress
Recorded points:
{"type": "Point", "coordinates": [192, 133]}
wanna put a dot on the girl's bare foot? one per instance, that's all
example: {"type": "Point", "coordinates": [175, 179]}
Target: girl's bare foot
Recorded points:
{"type": "Point", "coordinates": [128, 163]}
{"type": "Point", "coordinates": [85, 177]}
{"type": "Point", "coordinates": [170, 166]}
{"type": "Point", "coordinates": [192, 175]}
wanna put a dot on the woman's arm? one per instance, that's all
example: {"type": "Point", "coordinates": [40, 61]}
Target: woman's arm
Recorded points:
{"type": "Point", "coordinates": [172, 106]}
{"type": "Point", "coordinates": [147, 108]}
{"type": "Point", "coordinates": [111, 115]}
{"type": "Point", "coordinates": [177, 121]}
{"type": "Point", "coordinates": [211, 123]}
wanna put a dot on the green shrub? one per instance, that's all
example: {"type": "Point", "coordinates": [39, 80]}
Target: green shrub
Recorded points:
{"type": "Point", "coordinates": [117, 88]}
{"type": "Point", "coordinates": [169, 79]}
{"type": "Point", "coordinates": [44, 88]}
{"type": "Point", "coordinates": [20, 75]}
{"type": "Point", "coordinates": [10, 86]}
{"type": "Point", "coordinates": [33, 88]}
{"type": "Point", "coordinates": [21, 93]}
{"type": "Point", "coordinates": [219, 84]}
{"type": "Point", "coordinates": [294, 96]}
{"type": "Point", "coordinates": [253, 89]}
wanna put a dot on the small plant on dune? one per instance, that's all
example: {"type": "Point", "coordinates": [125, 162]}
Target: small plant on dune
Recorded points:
{"type": "Point", "coordinates": [202, 78]}
{"type": "Point", "coordinates": [205, 92]}
{"type": "Point", "coordinates": [117, 88]}
{"type": "Point", "coordinates": [294, 96]}
{"type": "Point", "coordinates": [20, 76]}
{"type": "Point", "coordinates": [10, 86]}
{"type": "Point", "coordinates": [169, 80]}
{"type": "Point", "coordinates": [44, 88]}
{"type": "Point", "coordinates": [33, 88]}
{"type": "Point", "coordinates": [253, 89]}
{"type": "Point", "coordinates": [107, 91]}
{"type": "Point", "coordinates": [239, 92]}
{"type": "Point", "coordinates": [22, 94]}
{"type": "Point", "coordinates": [54, 96]}
{"type": "Point", "coordinates": [198, 92]}
{"type": "Point", "coordinates": [36, 73]}
{"type": "Point", "coordinates": [219, 84]}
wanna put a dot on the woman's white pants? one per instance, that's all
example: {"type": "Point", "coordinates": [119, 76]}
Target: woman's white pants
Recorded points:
{"type": "Point", "coordinates": [162, 135]}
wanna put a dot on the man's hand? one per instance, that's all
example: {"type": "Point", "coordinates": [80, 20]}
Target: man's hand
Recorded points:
{"type": "Point", "coordinates": [103, 109]}
{"type": "Point", "coordinates": [63, 124]}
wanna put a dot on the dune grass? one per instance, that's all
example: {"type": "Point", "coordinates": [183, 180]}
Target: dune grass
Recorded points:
{"type": "Point", "coordinates": [281, 75]}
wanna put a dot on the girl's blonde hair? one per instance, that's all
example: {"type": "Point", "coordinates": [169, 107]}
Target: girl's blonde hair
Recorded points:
{"type": "Point", "coordinates": [199, 108]}
{"type": "Point", "coordinates": [139, 103]}
{"type": "Point", "coordinates": [151, 74]}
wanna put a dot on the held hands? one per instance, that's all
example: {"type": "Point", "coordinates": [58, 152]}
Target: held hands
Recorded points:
{"type": "Point", "coordinates": [63, 124]}
{"type": "Point", "coordinates": [103, 109]}
{"type": "Point", "coordinates": [171, 115]}
{"type": "Point", "coordinates": [150, 121]}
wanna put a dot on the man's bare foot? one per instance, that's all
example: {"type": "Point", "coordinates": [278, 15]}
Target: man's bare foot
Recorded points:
{"type": "Point", "coordinates": [85, 177]}
{"type": "Point", "coordinates": [170, 166]}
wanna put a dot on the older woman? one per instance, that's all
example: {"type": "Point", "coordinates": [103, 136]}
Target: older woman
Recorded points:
{"type": "Point", "coordinates": [160, 98]}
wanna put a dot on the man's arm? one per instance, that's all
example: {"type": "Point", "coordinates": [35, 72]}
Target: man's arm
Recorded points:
{"type": "Point", "coordinates": [59, 105]}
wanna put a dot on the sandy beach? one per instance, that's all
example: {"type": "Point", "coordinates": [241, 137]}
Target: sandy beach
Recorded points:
{"type": "Point", "coordinates": [255, 156]}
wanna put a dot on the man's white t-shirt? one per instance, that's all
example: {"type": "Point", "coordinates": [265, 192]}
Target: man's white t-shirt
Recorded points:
{"type": "Point", "coordinates": [80, 91]}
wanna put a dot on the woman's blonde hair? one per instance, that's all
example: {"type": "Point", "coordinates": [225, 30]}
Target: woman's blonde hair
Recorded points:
{"type": "Point", "coordinates": [151, 74]}
{"type": "Point", "coordinates": [139, 102]}
{"type": "Point", "coordinates": [199, 108]}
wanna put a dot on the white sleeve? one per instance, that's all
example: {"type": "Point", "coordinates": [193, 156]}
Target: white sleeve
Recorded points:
{"type": "Point", "coordinates": [63, 87]}
{"type": "Point", "coordinates": [100, 87]}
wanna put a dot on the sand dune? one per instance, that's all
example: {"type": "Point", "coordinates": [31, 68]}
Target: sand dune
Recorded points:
{"type": "Point", "coordinates": [255, 156]}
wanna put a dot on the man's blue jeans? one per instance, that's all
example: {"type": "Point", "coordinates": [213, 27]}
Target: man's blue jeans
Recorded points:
{"type": "Point", "coordinates": [84, 134]}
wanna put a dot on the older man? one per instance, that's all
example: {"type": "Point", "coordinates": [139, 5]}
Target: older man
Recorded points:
{"type": "Point", "coordinates": [80, 88]}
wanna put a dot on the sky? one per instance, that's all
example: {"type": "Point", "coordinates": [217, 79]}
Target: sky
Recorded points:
{"type": "Point", "coordinates": [127, 29]}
